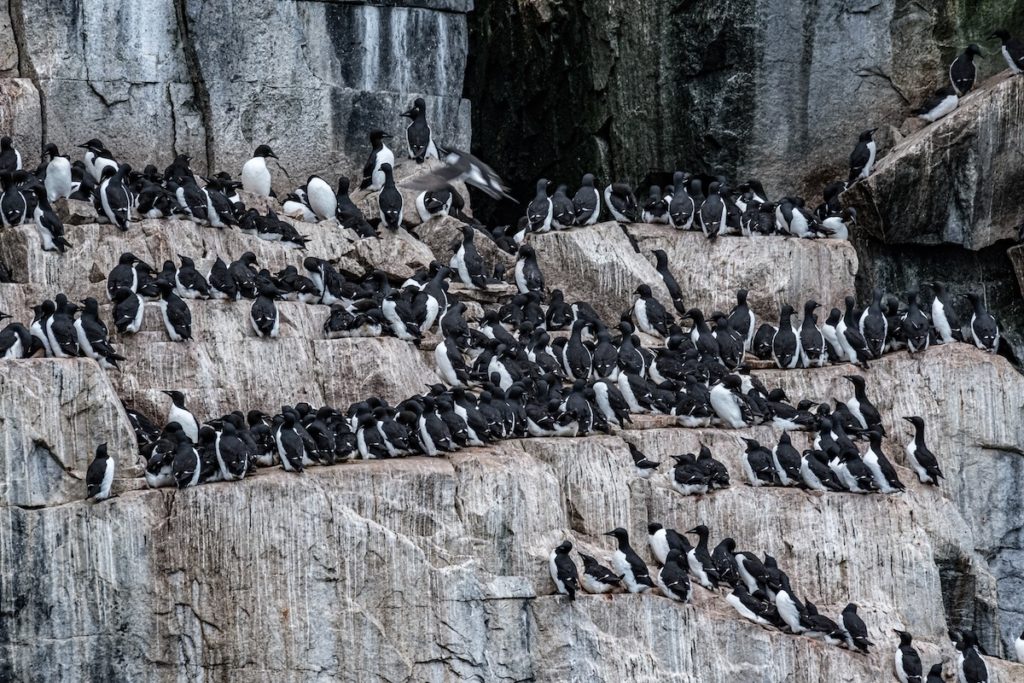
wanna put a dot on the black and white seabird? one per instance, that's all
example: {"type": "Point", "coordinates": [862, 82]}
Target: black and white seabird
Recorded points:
{"type": "Point", "coordinates": [466, 261]}
{"type": "Point", "coordinates": [656, 208]}
{"type": "Point", "coordinates": [563, 570]}
{"type": "Point", "coordinates": [587, 202]}
{"type": "Point", "coordinates": [963, 70]}
{"type": "Point", "coordinates": [813, 352]}
{"type": "Point", "coordinates": [540, 211]}
{"type": "Point", "coordinates": [621, 203]}
{"type": "Point", "coordinates": [651, 317]}
{"type": "Point", "coordinates": [175, 313]}
{"type": "Point", "coordinates": [92, 336]}
{"type": "Point", "coordinates": [180, 414]}
{"type": "Point", "coordinates": [255, 174]}
{"type": "Point", "coordinates": [10, 158]}
{"type": "Point", "coordinates": [597, 578]}
{"type": "Point", "coordinates": [563, 211]}
{"type": "Point", "coordinates": [418, 134]}
{"type": "Point", "coordinates": [747, 605]}
{"type": "Point", "coordinates": [856, 629]}
{"type": "Point", "coordinates": [681, 209]}
{"type": "Point", "coordinates": [58, 173]}
{"type": "Point", "coordinates": [742, 319]}
{"type": "Point", "coordinates": [644, 467]}
{"type": "Point", "coordinates": [673, 579]}
{"type": "Point", "coordinates": [100, 475]}
{"type": "Point", "coordinates": [263, 314]}
{"type": "Point", "coordinates": [60, 327]}
{"type": "Point", "coordinates": [914, 326]}
{"type": "Point", "coordinates": [729, 404]}
{"type": "Point", "coordinates": [528, 277]}
{"type": "Point", "coordinates": [128, 310]}
{"type": "Point", "coordinates": [922, 460]}
{"type": "Point", "coordinates": [942, 102]}
{"type": "Point", "coordinates": [97, 157]}
{"type": "Point", "coordinates": [970, 667]}
{"type": "Point", "coordinates": [1012, 49]}
{"type": "Point", "coordinates": [373, 169]}
{"type": "Point", "coordinates": [689, 478]}
{"type": "Point", "coordinates": [786, 342]}
{"type": "Point", "coordinates": [628, 564]}
{"type": "Point", "coordinates": [907, 662]}
{"type": "Point", "coordinates": [186, 466]}
{"type": "Point", "coordinates": [461, 166]}
{"type": "Point", "coordinates": [115, 198]}
{"type": "Point", "coordinates": [874, 326]}
{"type": "Point", "coordinates": [862, 158]}
{"type": "Point", "coordinates": [49, 227]}
{"type": "Point", "coordinates": [389, 200]}
{"type": "Point", "coordinates": [712, 212]}
{"type": "Point", "coordinates": [758, 464]}
{"type": "Point", "coordinates": [944, 316]}
{"type": "Point", "coordinates": [321, 198]}
{"type": "Point", "coordinates": [984, 329]}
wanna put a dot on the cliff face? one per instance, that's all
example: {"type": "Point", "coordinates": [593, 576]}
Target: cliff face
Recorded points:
{"type": "Point", "coordinates": [436, 569]}
{"type": "Point", "coordinates": [216, 79]}
{"type": "Point", "coordinates": [407, 569]}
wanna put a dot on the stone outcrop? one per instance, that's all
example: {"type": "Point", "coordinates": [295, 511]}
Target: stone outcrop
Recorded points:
{"type": "Point", "coordinates": [659, 86]}
{"type": "Point", "coordinates": [216, 79]}
{"type": "Point", "coordinates": [955, 181]}
{"type": "Point", "coordinates": [194, 574]}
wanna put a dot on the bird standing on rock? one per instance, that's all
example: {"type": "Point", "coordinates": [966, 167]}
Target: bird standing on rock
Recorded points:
{"type": "Point", "coordinates": [100, 475]}
{"type": "Point", "coordinates": [862, 159]}
{"type": "Point", "coordinates": [256, 175]}
{"type": "Point", "coordinates": [563, 570]}
{"type": "Point", "coordinates": [628, 564]}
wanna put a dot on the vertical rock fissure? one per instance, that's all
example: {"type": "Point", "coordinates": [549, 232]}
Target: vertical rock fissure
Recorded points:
{"type": "Point", "coordinates": [200, 93]}
{"type": "Point", "coordinates": [25, 67]}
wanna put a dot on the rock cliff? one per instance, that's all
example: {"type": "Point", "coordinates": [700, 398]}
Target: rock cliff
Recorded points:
{"type": "Point", "coordinates": [435, 569]}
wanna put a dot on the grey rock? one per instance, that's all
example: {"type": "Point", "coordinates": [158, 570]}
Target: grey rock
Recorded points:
{"type": "Point", "coordinates": [956, 181]}
{"type": "Point", "coordinates": [21, 118]}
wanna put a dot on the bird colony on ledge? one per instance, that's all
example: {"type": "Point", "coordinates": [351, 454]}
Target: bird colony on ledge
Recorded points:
{"type": "Point", "coordinates": [534, 366]}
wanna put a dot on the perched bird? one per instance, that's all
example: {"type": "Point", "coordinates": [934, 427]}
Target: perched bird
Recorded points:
{"type": "Point", "coordinates": [941, 103]}
{"type": "Point", "coordinates": [758, 464]}
{"type": "Point", "coordinates": [587, 202]}
{"type": "Point", "coordinates": [175, 313]}
{"type": "Point", "coordinates": [373, 169]}
{"type": "Point", "coordinates": [528, 277]}
{"type": "Point", "coordinates": [100, 475]}
{"type": "Point", "coordinates": [786, 342]}
{"type": "Point", "coordinates": [922, 460]}
{"type": "Point", "coordinates": [621, 203]}
{"type": "Point", "coordinates": [984, 329]}
{"type": "Point", "coordinates": [563, 570]}
{"type": "Point", "coordinates": [58, 173]}
{"type": "Point", "coordinates": [682, 208]}
{"type": "Point", "coordinates": [712, 212]}
{"type": "Point", "coordinates": [321, 197]}
{"type": "Point", "coordinates": [970, 667]}
{"type": "Point", "coordinates": [540, 211]}
{"type": "Point", "coordinates": [628, 564]}
{"type": "Point", "coordinates": [747, 605]}
{"type": "Point", "coordinates": [656, 208]}
{"type": "Point", "coordinates": [673, 579]}
{"type": "Point", "coordinates": [963, 70]}
{"type": "Point", "coordinates": [651, 317]}
{"type": "Point", "coordinates": [389, 201]}
{"type": "Point", "coordinates": [907, 661]}
{"type": "Point", "coordinates": [1012, 49]}
{"type": "Point", "coordinates": [856, 630]}
{"type": "Point", "coordinates": [813, 352]}
{"type": "Point", "coordinates": [729, 404]}
{"type": "Point", "coordinates": [644, 467]}
{"type": "Point", "coordinates": [263, 314]}
{"type": "Point", "coordinates": [128, 311]}
{"type": "Point", "coordinates": [862, 158]}
{"type": "Point", "coordinates": [935, 674]}
{"type": "Point", "coordinates": [256, 175]}
{"type": "Point", "coordinates": [181, 415]}
{"type": "Point", "coordinates": [596, 578]}
{"type": "Point", "coordinates": [10, 158]}
{"type": "Point", "coordinates": [944, 317]}
{"type": "Point", "coordinates": [49, 227]}
{"type": "Point", "coordinates": [418, 134]}
{"type": "Point", "coordinates": [688, 478]}
{"type": "Point", "coordinates": [860, 407]}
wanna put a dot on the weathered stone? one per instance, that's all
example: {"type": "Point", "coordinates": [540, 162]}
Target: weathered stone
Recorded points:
{"type": "Point", "coordinates": [9, 49]}
{"type": "Point", "coordinates": [596, 264]}
{"type": "Point", "coordinates": [441, 234]}
{"type": "Point", "coordinates": [398, 253]}
{"type": "Point", "coordinates": [775, 270]}
{"type": "Point", "coordinates": [21, 118]}
{"type": "Point", "coordinates": [55, 414]}
{"type": "Point", "coordinates": [956, 181]}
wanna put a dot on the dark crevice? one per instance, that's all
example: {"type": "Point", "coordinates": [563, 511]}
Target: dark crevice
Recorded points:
{"type": "Point", "coordinates": [25, 67]}
{"type": "Point", "coordinates": [200, 93]}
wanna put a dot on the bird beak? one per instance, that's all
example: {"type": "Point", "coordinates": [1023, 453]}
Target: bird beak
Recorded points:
{"type": "Point", "coordinates": [608, 533]}
{"type": "Point", "coordinates": [407, 114]}
{"type": "Point", "coordinates": [907, 419]}
{"type": "Point", "coordinates": [166, 392]}
{"type": "Point", "coordinates": [273, 155]}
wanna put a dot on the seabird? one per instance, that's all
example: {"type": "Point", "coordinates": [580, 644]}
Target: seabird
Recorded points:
{"type": "Point", "coordinates": [922, 460]}
{"type": "Point", "coordinates": [100, 475]}
{"type": "Point", "coordinates": [563, 570]}
{"type": "Point", "coordinates": [628, 564]}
